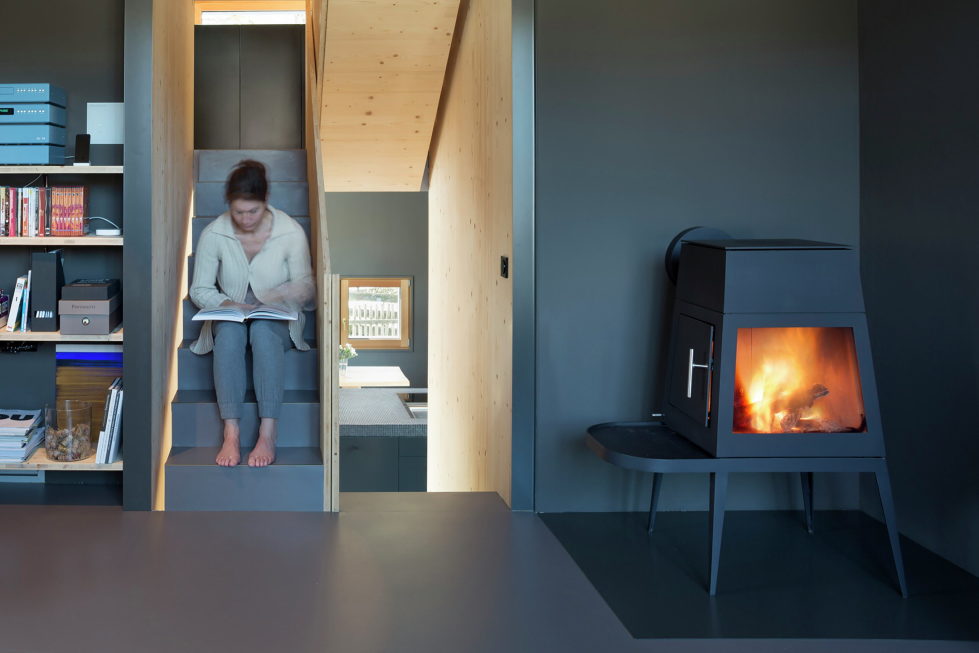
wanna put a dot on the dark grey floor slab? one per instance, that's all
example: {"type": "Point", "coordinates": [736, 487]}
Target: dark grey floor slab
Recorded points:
{"type": "Point", "coordinates": [289, 196]}
{"type": "Point", "coordinates": [449, 580]}
{"type": "Point", "coordinates": [293, 482]}
{"type": "Point", "coordinates": [196, 371]}
{"type": "Point", "coordinates": [422, 502]}
{"type": "Point", "coordinates": [197, 422]}
{"type": "Point", "coordinates": [775, 580]}
{"type": "Point", "coordinates": [280, 165]}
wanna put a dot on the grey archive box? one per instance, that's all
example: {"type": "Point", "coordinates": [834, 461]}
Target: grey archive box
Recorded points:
{"type": "Point", "coordinates": [82, 317]}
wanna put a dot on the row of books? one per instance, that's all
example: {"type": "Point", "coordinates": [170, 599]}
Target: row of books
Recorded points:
{"type": "Point", "coordinates": [15, 317]}
{"type": "Point", "coordinates": [110, 433]}
{"type": "Point", "coordinates": [21, 433]}
{"type": "Point", "coordinates": [37, 211]}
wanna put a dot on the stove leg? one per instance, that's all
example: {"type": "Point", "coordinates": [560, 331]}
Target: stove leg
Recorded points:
{"type": "Point", "coordinates": [718, 499]}
{"type": "Point", "coordinates": [807, 500]}
{"type": "Point", "coordinates": [890, 519]}
{"type": "Point", "coordinates": [654, 502]}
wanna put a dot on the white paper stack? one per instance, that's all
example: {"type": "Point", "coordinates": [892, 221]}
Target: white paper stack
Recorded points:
{"type": "Point", "coordinates": [21, 433]}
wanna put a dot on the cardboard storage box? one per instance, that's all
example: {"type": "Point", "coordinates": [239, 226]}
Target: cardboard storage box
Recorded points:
{"type": "Point", "coordinates": [81, 317]}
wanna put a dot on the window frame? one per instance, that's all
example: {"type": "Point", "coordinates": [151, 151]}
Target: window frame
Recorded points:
{"type": "Point", "coordinates": [407, 305]}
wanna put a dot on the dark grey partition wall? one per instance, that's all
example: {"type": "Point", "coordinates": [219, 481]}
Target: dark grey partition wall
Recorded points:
{"type": "Point", "coordinates": [138, 251]}
{"type": "Point", "coordinates": [920, 159]}
{"type": "Point", "coordinates": [653, 116]}
{"type": "Point", "coordinates": [158, 186]}
{"type": "Point", "coordinates": [524, 392]}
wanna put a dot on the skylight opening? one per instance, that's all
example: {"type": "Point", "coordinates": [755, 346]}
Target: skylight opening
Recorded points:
{"type": "Point", "coordinates": [253, 18]}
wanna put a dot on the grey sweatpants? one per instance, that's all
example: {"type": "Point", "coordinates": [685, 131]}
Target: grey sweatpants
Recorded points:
{"type": "Point", "coordinates": [269, 340]}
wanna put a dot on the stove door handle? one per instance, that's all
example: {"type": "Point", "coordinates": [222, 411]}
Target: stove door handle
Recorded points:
{"type": "Point", "coordinates": [690, 368]}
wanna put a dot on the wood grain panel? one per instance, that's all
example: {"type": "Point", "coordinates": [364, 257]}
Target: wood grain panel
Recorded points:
{"type": "Point", "coordinates": [384, 66]}
{"type": "Point", "coordinates": [172, 188]}
{"type": "Point", "coordinates": [470, 227]}
{"type": "Point", "coordinates": [320, 246]}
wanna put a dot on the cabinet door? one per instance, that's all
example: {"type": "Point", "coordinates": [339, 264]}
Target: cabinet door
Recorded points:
{"type": "Point", "coordinates": [692, 368]}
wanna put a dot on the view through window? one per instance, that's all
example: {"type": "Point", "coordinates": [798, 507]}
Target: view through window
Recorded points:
{"type": "Point", "coordinates": [376, 312]}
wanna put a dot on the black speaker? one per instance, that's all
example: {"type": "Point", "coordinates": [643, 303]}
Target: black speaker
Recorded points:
{"type": "Point", "coordinates": [82, 142]}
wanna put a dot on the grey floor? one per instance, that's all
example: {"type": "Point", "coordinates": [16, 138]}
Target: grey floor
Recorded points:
{"type": "Point", "coordinates": [391, 573]}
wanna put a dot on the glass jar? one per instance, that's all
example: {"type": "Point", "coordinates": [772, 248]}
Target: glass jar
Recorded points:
{"type": "Point", "coordinates": [68, 430]}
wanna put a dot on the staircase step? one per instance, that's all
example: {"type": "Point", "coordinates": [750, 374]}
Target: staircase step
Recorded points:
{"type": "Point", "coordinates": [197, 423]}
{"type": "Point", "coordinates": [281, 165]}
{"type": "Point", "coordinates": [199, 224]}
{"type": "Point", "coordinates": [196, 372]}
{"type": "Point", "coordinates": [289, 196]}
{"type": "Point", "coordinates": [293, 482]}
{"type": "Point", "coordinates": [192, 329]}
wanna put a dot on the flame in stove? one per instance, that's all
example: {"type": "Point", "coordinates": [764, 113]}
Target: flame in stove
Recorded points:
{"type": "Point", "coordinates": [797, 380]}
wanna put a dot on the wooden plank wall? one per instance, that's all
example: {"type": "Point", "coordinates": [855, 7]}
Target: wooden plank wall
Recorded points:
{"type": "Point", "coordinates": [470, 227]}
{"type": "Point", "coordinates": [172, 191]}
{"type": "Point", "coordinates": [320, 245]}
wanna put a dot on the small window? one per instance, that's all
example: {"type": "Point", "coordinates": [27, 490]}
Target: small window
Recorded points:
{"type": "Point", "coordinates": [375, 313]}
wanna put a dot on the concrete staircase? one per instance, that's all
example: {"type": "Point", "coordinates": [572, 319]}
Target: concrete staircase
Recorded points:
{"type": "Point", "coordinates": [295, 481]}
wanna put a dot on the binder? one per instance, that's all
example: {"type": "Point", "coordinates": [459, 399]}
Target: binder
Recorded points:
{"type": "Point", "coordinates": [47, 279]}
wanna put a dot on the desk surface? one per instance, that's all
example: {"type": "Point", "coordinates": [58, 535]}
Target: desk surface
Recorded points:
{"type": "Point", "coordinates": [368, 376]}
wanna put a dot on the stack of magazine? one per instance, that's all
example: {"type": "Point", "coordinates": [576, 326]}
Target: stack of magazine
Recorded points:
{"type": "Point", "coordinates": [21, 433]}
{"type": "Point", "coordinates": [110, 433]}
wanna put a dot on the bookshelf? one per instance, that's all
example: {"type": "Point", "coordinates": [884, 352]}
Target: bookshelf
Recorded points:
{"type": "Point", "coordinates": [58, 241]}
{"type": "Point", "coordinates": [39, 462]}
{"type": "Point", "coordinates": [61, 170]}
{"type": "Point", "coordinates": [56, 336]}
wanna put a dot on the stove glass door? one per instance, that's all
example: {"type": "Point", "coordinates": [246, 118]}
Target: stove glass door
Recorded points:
{"type": "Point", "coordinates": [797, 380]}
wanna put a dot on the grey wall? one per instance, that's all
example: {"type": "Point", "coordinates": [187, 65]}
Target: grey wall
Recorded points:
{"type": "Point", "coordinates": [244, 98]}
{"type": "Point", "coordinates": [653, 116]}
{"type": "Point", "coordinates": [919, 136]}
{"type": "Point", "coordinates": [385, 234]}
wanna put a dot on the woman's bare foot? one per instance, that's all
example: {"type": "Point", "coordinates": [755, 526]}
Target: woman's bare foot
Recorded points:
{"type": "Point", "coordinates": [264, 452]}
{"type": "Point", "coordinates": [230, 454]}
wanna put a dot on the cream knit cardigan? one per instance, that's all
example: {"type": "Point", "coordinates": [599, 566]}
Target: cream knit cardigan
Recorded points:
{"type": "Point", "coordinates": [280, 273]}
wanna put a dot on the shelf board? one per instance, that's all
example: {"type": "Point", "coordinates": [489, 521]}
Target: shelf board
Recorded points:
{"type": "Point", "coordinates": [39, 461]}
{"type": "Point", "coordinates": [61, 170]}
{"type": "Point", "coordinates": [62, 241]}
{"type": "Point", "coordinates": [55, 336]}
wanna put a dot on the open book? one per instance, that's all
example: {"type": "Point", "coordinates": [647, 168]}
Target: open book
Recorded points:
{"type": "Point", "coordinates": [235, 314]}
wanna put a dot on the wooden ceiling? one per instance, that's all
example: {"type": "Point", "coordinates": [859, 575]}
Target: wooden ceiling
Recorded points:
{"type": "Point", "coordinates": [380, 82]}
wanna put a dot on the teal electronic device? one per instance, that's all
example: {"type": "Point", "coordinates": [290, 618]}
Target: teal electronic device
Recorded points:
{"type": "Point", "coordinates": [19, 114]}
{"type": "Point", "coordinates": [33, 94]}
{"type": "Point", "coordinates": [32, 155]}
{"type": "Point", "coordinates": [31, 135]}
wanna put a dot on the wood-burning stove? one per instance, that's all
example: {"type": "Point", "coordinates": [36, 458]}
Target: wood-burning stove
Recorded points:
{"type": "Point", "coordinates": [770, 372]}
{"type": "Point", "coordinates": [770, 351]}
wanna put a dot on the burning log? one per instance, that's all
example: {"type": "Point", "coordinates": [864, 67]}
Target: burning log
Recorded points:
{"type": "Point", "coordinates": [790, 409]}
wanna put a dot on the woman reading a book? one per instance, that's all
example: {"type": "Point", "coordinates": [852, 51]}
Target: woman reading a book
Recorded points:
{"type": "Point", "coordinates": [251, 255]}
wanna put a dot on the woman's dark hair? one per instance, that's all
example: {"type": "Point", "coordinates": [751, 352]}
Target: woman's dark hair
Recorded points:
{"type": "Point", "coordinates": [247, 182]}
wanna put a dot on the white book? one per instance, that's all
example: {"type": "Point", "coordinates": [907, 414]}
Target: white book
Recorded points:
{"type": "Point", "coordinates": [35, 205]}
{"type": "Point", "coordinates": [14, 315]}
{"type": "Point", "coordinates": [25, 303]}
{"type": "Point", "coordinates": [103, 447]}
{"type": "Point", "coordinates": [116, 438]}
{"type": "Point", "coordinates": [235, 314]}
{"type": "Point", "coordinates": [107, 411]}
